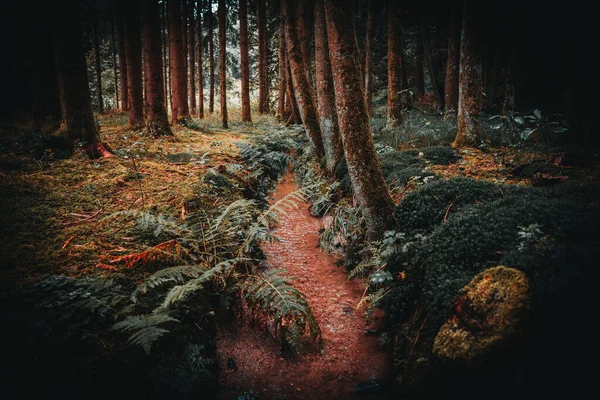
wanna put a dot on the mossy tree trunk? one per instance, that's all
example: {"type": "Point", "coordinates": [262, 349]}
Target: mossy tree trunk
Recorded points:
{"type": "Point", "coordinates": [157, 122]}
{"type": "Point", "coordinates": [470, 92]}
{"type": "Point", "coordinates": [363, 166]}
{"type": "Point", "coordinates": [394, 106]}
{"type": "Point", "coordinates": [452, 65]}
{"type": "Point", "coordinates": [94, 8]}
{"type": "Point", "coordinates": [199, 52]}
{"type": "Point", "coordinates": [330, 131]}
{"type": "Point", "coordinates": [122, 57]}
{"type": "Point", "coordinates": [302, 88]}
{"type": "Point", "coordinates": [245, 64]}
{"type": "Point", "coordinates": [133, 57]}
{"type": "Point", "coordinates": [282, 73]}
{"type": "Point", "coordinates": [369, 59]}
{"type": "Point", "coordinates": [293, 111]}
{"type": "Point", "coordinates": [223, 61]}
{"type": "Point", "coordinates": [78, 126]}
{"type": "Point", "coordinates": [263, 74]}
{"type": "Point", "coordinates": [181, 112]}
{"type": "Point", "coordinates": [211, 59]}
{"type": "Point", "coordinates": [192, 56]}
{"type": "Point", "coordinates": [305, 13]}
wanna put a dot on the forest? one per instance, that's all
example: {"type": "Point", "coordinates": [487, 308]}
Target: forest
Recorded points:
{"type": "Point", "coordinates": [298, 199]}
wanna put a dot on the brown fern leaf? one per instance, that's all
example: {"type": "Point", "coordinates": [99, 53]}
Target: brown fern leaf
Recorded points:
{"type": "Point", "coordinates": [169, 251]}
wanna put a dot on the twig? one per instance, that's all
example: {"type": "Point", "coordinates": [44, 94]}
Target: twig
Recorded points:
{"type": "Point", "coordinates": [94, 215]}
{"type": "Point", "coordinates": [448, 208]}
{"type": "Point", "coordinates": [67, 242]}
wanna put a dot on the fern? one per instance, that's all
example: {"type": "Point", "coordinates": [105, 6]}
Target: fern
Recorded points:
{"type": "Point", "coordinates": [144, 329]}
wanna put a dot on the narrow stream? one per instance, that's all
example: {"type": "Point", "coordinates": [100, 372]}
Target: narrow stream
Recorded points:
{"type": "Point", "coordinates": [349, 358]}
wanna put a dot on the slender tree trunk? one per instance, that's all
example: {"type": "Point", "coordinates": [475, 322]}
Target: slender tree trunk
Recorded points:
{"type": "Point", "coordinates": [470, 92]}
{"type": "Point", "coordinates": [452, 66]}
{"type": "Point", "coordinates": [245, 65]}
{"type": "Point", "coordinates": [122, 57]}
{"type": "Point", "coordinates": [200, 66]}
{"type": "Point", "coordinates": [223, 61]}
{"type": "Point", "coordinates": [394, 106]}
{"type": "Point", "coordinates": [94, 7]}
{"type": "Point", "coordinates": [419, 78]}
{"type": "Point", "coordinates": [303, 89]}
{"type": "Point", "coordinates": [369, 59]}
{"type": "Point", "coordinates": [157, 122]}
{"type": "Point", "coordinates": [211, 56]}
{"type": "Point", "coordinates": [177, 58]}
{"type": "Point", "coordinates": [263, 89]}
{"type": "Point", "coordinates": [281, 92]}
{"type": "Point", "coordinates": [165, 40]}
{"type": "Point", "coordinates": [133, 55]}
{"type": "Point", "coordinates": [330, 130]}
{"type": "Point", "coordinates": [184, 31]}
{"type": "Point", "coordinates": [192, 59]}
{"type": "Point", "coordinates": [363, 166]}
{"type": "Point", "coordinates": [429, 64]}
{"type": "Point", "coordinates": [114, 59]}
{"type": "Point", "coordinates": [77, 124]}
{"type": "Point", "coordinates": [305, 14]}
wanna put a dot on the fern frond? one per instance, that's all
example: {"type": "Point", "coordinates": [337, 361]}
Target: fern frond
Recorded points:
{"type": "Point", "coordinates": [373, 298]}
{"type": "Point", "coordinates": [144, 329]}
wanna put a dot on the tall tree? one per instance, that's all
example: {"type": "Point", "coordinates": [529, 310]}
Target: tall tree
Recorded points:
{"type": "Point", "coordinates": [282, 73]}
{"type": "Point", "coordinates": [77, 123]}
{"type": "Point", "coordinates": [223, 61]}
{"type": "Point", "coordinates": [305, 17]}
{"type": "Point", "coordinates": [451, 91]}
{"type": "Point", "coordinates": [470, 91]}
{"type": "Point", "coordinates": [192, 56]}
{"type": "Point", "coordinates": [122, 58]}
{"type": "Point", "coordinates": [263, 76]}
{"type": "Point", "coordinates": [200, 64]}
{"type": "Point", "coordinates": [302, 88]}
{"type": "Point", "coordinates": [293, 110]}
{"type": "Point", "coordinates": [437, 96]}
{"type": "Point", "coordinates": [177, 61]}
{"type": "Point", "coordinates": [114, 59]}
{"type": "Point", "coordinates": [211, 59]}
{"type": "Point", "coordinates": [245, 64]}
{"type": "Point", "coordinates": [133, 56]}
{"type": "Point", "coordinates": [330, 131]}
{"type": "Point", "coordinates": [394, 106]}
{"type": "Point", "coordinates": [369, 59]}
{"type": "Point", "coordinates": [165, 41]}
{"type": "Point", "coordinates": [363, 167]}
{"type": "Point", "coordinates": [97, 57]}
{"type": "Point", "coordinates": [419, 58]}
{"type": "Point", "coordinates": [157, 122]}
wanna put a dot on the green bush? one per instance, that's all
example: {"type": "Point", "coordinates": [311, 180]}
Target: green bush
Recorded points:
{"type": "Point", "coordinates": [440, 155]}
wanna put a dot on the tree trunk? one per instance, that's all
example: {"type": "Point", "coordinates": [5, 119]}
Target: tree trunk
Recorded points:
{"type": "Point", "coordinates": [211, 59]}
{"type": "Point", "coordinates": [452, 66]}
{"type": "Point", "coordinates": [326, 93]}
{"type": "Point", "coordinates": [192, 57]}
{"type": "Point", "coordinates": [369, 59]}
{"type": "Point", "coordinates": [184, 31]}
{"type": "Point", "coordinates": [200, 69]}
{"type": "Point", "coordinates": [223, 61]}
{"type": "Point", "coordinates": [419, 78]}
{"type": "Point", "coordinates": [305, 13]}
{"type": "Point", "coordinates": [363, 166]}
{"type": "Point", "coordinates": [77, 124]}
{"type": "Point", "coordinates": [294, 112]}
{"type": "Point", "coordinates": [508, 106]}
{"type": "Point", "coordinates": [302, 88]}
{"type": "Point", "coordinates": [157, 122]}
{"type": "Point", "coordinates": [263, 85]}
{"type": "Point", "coordinates": [394, 106]}
{"type": "Point", "coordinates": [94, 7]}
{"type": "Point", "coordinates": [122, 57]}
{"type": "Point", "coordinates": [177, 58]}
{"type": "Point", "coordinates": [494, 76]}
{"type": "Point", "coordinates": [470, 92]}
{"type": "Point", "coordinates": [165, 40]}
{"type": "Point", "coordinates": [133, 55]}
{"type": "Point", "coordinates": [429, 64]}
{"type": "Point", "coordinates": [281, 93]}
{"type": "Point", "coordinates": [245, 65]}
{"type": "Point", "coordinates": [114, 59]}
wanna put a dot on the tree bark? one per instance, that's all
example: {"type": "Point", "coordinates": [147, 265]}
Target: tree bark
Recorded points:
{"type": "Point", "coordinates": [177, 58]}
{"type": "Point", "coordinates": [263, 84]}
{"type": "Point", "coordinates": [294, 113]}
{"type": "Point", "coordinates": [328, 120]}
{"type": "Point", "coordinates": [200, 64]}
{"type": "Point", "coordinates": [245, 64]}
{"type": "Point", "coordinates": [184, 31]}
{"type": "Point", "coordinates": [369, 59]}
{"type": "Point", "coordinates": [429, 64]}
{"type": "Point", "coordinates": [94, 7]}
{"type": "Point", "coordinates": [157, 122]}
{"type": "Point", "coordinates": [192, 57]}
{"type": "Point", "coordinates": [303, 89]}
{"type": "Point", "coordinates": [452, 66]}
{"type": "Point", "coordinates": [77, 125]}
{"type": "Point", "coordinates": [305, 13]}
{"type": "Point", "coordinates": [223, 62]}
{"type": "Point", "coordinates": [470, 92]}
{"type": "Point", "coordinates": [165, 40]}
{"type": "Point", "coordinates": [363, 166]}
{"type": "Point", "coordinates": [394, 106]}
{"type": "Point", "coordinates": [211, 59]}
{"type": "Point", "coordinates": [133, 55]}
{"type": "Point", "coordinates": [281, 92]}
{"type": "Point", "coordinates": [114, 59]}
{"type": "Point", "coordinates": [122, 57]}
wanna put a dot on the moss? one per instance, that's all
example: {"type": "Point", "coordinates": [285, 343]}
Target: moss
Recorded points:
{"type": "Point", "coordinates": [440, 155]}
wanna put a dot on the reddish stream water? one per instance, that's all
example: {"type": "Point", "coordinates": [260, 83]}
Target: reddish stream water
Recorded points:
{"type": "Point", "coordinates": [349, 355]}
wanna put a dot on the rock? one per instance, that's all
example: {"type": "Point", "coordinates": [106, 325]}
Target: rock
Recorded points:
{"type": "Point", "coordinates": [486, 317]}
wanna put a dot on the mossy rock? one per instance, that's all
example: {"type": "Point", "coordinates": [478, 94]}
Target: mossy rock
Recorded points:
{"type": "Point", "coordinates": [486, 317]}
